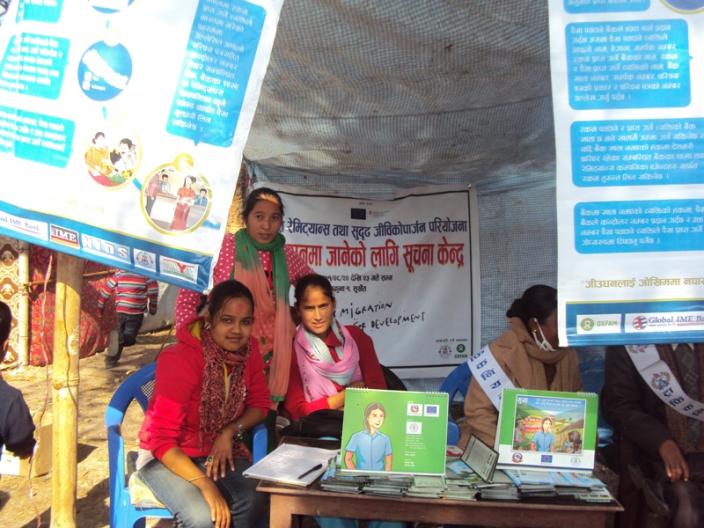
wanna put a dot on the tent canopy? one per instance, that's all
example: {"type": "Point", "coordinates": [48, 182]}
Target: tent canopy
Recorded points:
{"type": "Point", "coordinates": [398, 93]}
{"type": "Point", "coordinates": [433, 88]}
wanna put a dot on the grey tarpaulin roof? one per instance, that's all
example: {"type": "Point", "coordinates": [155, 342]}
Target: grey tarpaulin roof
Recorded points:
{"type": "Point", "coordinates": [398, 93]}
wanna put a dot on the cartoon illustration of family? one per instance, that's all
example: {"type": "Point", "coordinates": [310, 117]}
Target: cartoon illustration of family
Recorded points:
{"type": "Point", "coordinates": [175, 211]}
{"type": "Point", "coordinates": [108, 166]}
{"type": "Point", "coordinates": [370, 449]}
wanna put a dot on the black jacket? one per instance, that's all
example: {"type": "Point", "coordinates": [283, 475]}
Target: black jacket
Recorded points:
{"type": "Point", "coordinates": [631, 407]}
{"type": "Point", "coordinates": [16, 425]}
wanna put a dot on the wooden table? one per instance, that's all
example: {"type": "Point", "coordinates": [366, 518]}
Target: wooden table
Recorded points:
{"type": "Point", "coordinates": [288, 502]}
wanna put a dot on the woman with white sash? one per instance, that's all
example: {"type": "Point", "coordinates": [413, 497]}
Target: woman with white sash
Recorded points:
{"type": "Point", "coordinates": [527, 355]}
{"type": "Point", "coordinates": [652, 397]}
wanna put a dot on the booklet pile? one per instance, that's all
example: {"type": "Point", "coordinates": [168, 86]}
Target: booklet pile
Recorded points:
{"type": "Point", "coordinates": [557, 484]}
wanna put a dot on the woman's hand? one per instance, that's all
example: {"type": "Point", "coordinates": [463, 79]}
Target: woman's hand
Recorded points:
{"type": "Point", "coordinates": [675, 465]}
{"type": "Point", "coordinates": [220, 456]}
{"type": "Point", "coordinates": [356, 385]}
{"type": "Point", "coordinates": [219, 510]}
{"type": "Point", "coordinates": [337, 401]}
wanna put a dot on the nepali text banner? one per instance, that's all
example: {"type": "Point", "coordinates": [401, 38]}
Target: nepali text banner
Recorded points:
{"type": "Point", "coordinates": [404, 270]}
{"type": "Point", "coordinates": [122, 126]}
{"type": "Point", "coordinates": [628, 97]}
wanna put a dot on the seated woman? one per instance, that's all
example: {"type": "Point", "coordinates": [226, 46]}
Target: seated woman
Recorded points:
{"type": "Point", "coordinates": [209, 390]}
{"type": "Point", "coordinates": [529, 355]}
{"type": "Point", "coordinates": [328, 357]}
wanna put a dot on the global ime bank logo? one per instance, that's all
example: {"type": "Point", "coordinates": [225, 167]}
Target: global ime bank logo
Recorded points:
{"type": "Point", "coordinates": [640, 322]}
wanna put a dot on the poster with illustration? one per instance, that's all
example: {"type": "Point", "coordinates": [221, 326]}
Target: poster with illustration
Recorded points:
{"type": "Point", "coordinates": [394, 432]}
{"type": "Point", "coordinates": [547, 429]}
{"type": "Point", "coordinates": [122, 126]}
{"type": "Point", "coordinates": [628, 100]}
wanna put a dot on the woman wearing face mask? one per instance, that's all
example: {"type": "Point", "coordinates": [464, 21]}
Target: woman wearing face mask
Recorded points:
{"type": "Point", "coordinates": [529, 355]}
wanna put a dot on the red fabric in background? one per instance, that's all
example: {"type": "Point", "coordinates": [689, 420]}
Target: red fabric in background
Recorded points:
{"type": "Point", "coordinates": [94, 331]}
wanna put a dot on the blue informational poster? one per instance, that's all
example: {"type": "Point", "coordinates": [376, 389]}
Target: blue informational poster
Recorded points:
{"type": "Point", "coordinates": [628, 97]}
{"type": "Point", "coordinates": [122, 126]}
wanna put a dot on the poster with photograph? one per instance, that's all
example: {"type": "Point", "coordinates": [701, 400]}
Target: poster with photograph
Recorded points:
{"type": "Point", "coordinates": [394, 432]}
{"type": "Point", "coordinates": [122, 126]}
{"type": "Point", "coordinates": [547, 429]}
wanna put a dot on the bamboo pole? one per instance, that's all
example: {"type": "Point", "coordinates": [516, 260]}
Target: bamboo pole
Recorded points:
{"type": "Point", "coordinates": [65, 380]}
{"type": "Point", "coordinates": [23, 322]}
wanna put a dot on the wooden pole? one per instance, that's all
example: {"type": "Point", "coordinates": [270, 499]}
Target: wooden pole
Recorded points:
{"type": "Point", "coordinates": [65, 380]}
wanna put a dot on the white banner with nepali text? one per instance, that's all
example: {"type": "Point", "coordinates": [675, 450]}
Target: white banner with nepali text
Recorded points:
{"type": "Point", "coordinates": [405, 270]}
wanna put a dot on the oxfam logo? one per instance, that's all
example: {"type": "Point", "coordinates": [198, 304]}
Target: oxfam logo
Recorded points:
{"type": "Point", "coordinates": [460, 348]}
{"type": "Point", "coordinates": [587, 324]}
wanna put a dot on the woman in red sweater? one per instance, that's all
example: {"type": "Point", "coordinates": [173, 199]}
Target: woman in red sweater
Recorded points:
{"type": "Point", "coordinates": [209, 390]}
{"type": "Point", "coordinates": [328, 357]}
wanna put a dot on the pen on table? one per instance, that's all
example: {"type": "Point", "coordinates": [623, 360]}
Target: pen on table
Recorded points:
{"type": "Point", "coordinates": [314, 468]}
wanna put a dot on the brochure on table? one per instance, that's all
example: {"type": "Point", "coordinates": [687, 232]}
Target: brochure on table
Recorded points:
{"type": "Point", "coordinates": [394, 432]}
{"type": "Point", "coordinates": [547, 430]}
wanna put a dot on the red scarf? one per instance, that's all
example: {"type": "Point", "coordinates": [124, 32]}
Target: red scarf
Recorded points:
{"type": "Point", "coordinates": [218, 408]}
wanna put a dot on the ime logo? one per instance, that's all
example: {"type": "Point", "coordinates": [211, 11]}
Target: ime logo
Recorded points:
{"type": "Point", "coordinates": [640, 322]}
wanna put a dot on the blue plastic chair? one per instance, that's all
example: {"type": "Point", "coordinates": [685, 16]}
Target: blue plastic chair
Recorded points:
{"type": "Point", "coordinates": [139, 386]}
{"type": "Point", "coordinates": [456, 382]}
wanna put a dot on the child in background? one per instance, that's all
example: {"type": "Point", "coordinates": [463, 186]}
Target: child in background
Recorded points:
{"type": "Point", "coordinates": [132, 295]}
{"type": "Point", "coordinates": [16, 425]}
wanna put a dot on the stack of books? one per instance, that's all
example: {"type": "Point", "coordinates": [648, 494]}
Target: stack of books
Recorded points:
{"type": "Point", "coordinates": [571, 485]}
{"type": "Point", "coordinates": [427, 487]}
{"type": "Point", "coordinates": [391, 486]}
{"type": "Point", "coordinates": [500, 488]}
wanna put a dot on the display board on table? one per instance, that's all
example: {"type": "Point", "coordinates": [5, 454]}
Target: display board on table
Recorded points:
{"type": "Point", "coordinates": [394, 432]}
{"type": "Point", "coordinates": [547, 430]}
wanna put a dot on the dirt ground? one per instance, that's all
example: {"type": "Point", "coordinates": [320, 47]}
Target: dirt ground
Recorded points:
{"type": "Point", "coordinates": [27, 505]}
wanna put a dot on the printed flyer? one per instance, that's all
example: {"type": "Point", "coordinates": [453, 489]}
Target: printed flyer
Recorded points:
{"type": "Point", "coordinates": [547, 429]}
{"type": "Point", "coordinates": [122, 126]}
{"type": "Point", "coordinates": [405, 270]}
{"type": "Point", "coordinates": [394, 432]}
{"type": "Point", "coordinates": [628, 98]}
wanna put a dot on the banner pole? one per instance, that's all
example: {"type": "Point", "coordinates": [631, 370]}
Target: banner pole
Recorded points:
{"type": "Point", "coordinates": [65, 382]}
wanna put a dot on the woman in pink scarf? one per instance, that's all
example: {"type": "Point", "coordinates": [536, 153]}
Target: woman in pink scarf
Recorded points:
{"type": "Point", "coordinates": [327, 356]}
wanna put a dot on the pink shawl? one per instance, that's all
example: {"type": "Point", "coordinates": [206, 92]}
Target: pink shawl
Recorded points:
{"type": "Point", "coordinates": [318, 369]}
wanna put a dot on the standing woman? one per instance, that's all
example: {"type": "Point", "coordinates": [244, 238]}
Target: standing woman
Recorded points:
{"type": "Point", "coordinates": [185, 198]}
{"type": "Point", "coordinates": [258, 257]}
{"type": "Point", "coordinates": [328, 357]}
{"type": "Point", "coordinates": [209, 390]}
{"type": "Point", "coordinates": [529, 355]}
